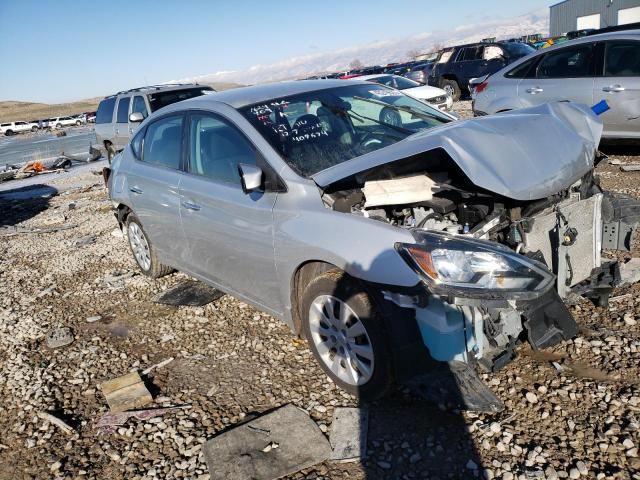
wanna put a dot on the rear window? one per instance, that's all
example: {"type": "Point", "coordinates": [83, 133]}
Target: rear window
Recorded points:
{"type": "Point", "coordinates": [518, 50]}
{"type": "Point", "coordinates": [162, 99]}
{"type": "Point", "coordinates": [105, 110]}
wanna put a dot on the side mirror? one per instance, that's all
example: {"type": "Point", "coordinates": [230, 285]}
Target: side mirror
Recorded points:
{"type": "Point", "coordinates": [136, 117]}
{"type": "Point", "coordinates": [251, 177]}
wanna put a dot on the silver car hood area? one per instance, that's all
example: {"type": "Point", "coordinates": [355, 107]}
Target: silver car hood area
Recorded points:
{"type": "Point", "coordinates": [526, 154]}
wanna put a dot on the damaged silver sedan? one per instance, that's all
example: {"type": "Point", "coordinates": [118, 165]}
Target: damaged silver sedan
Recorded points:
{"type": "Point", "coordinates": [395, 240]}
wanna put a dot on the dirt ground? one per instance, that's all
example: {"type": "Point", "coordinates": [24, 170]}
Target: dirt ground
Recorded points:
{"type": "Point", "coordinates": [577, 419]}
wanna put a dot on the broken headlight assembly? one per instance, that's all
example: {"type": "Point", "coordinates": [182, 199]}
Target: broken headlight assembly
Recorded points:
{"type": "Point", "coordinates": [460, 266]}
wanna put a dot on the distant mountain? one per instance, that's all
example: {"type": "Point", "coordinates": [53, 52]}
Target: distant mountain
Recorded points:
{"type": "Point", "coordinates": [380, 52]}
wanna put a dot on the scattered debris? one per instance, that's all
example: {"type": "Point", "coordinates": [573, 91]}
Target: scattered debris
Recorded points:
{"type": "Point", "coordinates": [630, 167]}
{"type": "Point", "coordinates": [116, 281]}
{"type": "Point", "coordinates": [94, 154]}
{"type": "Point", "coordinates": [57, 422]}
{"type": "Point", "coordinates": [85, 241]}
{"type": "Point", "coordinates": [110, 420]}
{"type": "Point", "coordinates": [614, 161]}
{"type": "Point", "coordinates": [60, 337]}
{"type": "Point", "coordinates": [61, 133]}
{"type": "Point", "coordinates": [630, 272]}
{"type": "Point", "coordinates": [126, 392]}
{"type": "Point", "coordinates": [241, 453]}
{"type": "Point", "coordinates": [157, 365]}
{"type": "Point", "coordinates": [348, 436]}
{"type": "Point", "coordinates": [16, 230]}
{"type": "Point", "coordinates": [189, 293]}
{"type": "Point", "coordinates": [93, 319]}
{"type": "Point", "coordinates": [619, 298]}
{"type": "Point", "coordinates": [270, 446]}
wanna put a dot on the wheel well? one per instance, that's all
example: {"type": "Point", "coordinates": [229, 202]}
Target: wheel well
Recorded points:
{"type": "Point", "coordinates": [122, 212]}
{"type": "Point", "coordinates": [300, 279]}
{"type": "Point", "coordinates": [504, 110]}
{"type": "Point", "coordinates": [448, 76]}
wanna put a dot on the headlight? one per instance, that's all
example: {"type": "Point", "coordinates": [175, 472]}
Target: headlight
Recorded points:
{"type": "Point", "coordinates": [451, 264]}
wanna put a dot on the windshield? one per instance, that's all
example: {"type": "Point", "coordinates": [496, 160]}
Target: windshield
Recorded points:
{"type": "Point", "coordinates": [319, 129]}
{"type": "Point", "coordinates": [395, 81]}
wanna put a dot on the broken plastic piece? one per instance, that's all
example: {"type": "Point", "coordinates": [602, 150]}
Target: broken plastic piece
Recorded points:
{"type": "Point", "coordinates": [189, 293]}
{"type": "Point", "coordinates": [242, 452]}
{"type": "Point", "coordinates": [600, 107]}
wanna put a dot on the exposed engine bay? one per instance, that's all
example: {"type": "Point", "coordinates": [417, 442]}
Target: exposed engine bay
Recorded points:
{"type": "Point", "coordinates": [564, 234]}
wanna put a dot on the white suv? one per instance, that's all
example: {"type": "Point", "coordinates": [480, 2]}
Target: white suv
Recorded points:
{"type": "Point", "coordinates": [59, 122]}
{"type": "Point", "coordinates": [11, 128]}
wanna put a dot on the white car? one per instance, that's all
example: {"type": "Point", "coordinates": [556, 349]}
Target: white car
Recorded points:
{"type": "Point", "coordinates": [59, 122]}
{"type": "Point", "coordinates": [11, 128]}
{"type": "Point", "coordinates": [432, 95]}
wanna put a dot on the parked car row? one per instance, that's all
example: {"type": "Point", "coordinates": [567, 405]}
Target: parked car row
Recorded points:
{"type": "Point", "coordinates": [13, 128]}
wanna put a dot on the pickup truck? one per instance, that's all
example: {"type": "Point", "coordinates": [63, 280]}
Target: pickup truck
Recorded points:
{"type": "Point", "coordinates": [11, 128]}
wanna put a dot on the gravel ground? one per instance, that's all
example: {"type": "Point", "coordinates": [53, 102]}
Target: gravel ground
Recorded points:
{"type": "Point", "coordinates": [233, 362]}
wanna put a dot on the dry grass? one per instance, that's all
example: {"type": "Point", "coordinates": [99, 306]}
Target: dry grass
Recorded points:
{"type": "Point", "coordinates": [12, 111]}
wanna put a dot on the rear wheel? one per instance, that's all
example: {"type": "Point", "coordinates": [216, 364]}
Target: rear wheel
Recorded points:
{"type": "Point", "coordinates": [452, 88]}
{"type": "Point", "coordinates": [59, 125]}
{"type": "Point", "coordinates": [78, 123]}
{"type": "Point", "coordinates": [345, 334]}
{"type": "Point", "coordinates": [8, 133]}
{"type": "Point", "coordinates": [143, 251]}
{"type": "Point", "coordinates": [111, 152]}
{"type": "Point", "coordinates": [34, 129]}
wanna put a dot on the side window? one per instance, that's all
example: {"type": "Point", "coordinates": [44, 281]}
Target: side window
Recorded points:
{"type": "Point", "coordinates": [622, 59]}
{"type": "Point", "coordinates": [470, 53]}
{"type": "Point", "coordinates": [138, 105]}
{"type": "Point", "coordinates": [524, 70]}
{"type": "Point", "coordinates": [216, 148]}
{"type": "Point", "coordinates": [163, 142]}
{"type": "Point", "coordinates": [105, 110]}
{"type": "Point", "coordinates": [570, 62]}
{"type": "Point", "coordinates": [136, 144]}
{"type": "Point", "coordinates": [123, 110]}
{"type": "Point", "coordinates": [491, 52]}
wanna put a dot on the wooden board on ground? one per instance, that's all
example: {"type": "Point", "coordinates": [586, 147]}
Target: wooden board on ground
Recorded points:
{"type": "Point", "coordinates": [126, 393]}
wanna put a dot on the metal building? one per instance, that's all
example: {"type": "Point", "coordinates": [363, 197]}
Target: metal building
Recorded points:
{"type": "Point", "coordinates": [578, 14]}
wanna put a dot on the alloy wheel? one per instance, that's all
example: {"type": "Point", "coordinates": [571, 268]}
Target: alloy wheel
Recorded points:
{"type": "Point", "coordinates": [341, 340]}
{"type": "Point", "coordinates": [139, 246]}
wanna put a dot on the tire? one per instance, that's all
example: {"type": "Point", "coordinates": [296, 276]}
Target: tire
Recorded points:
{"type": "Point", "coordinates": [143, 251]}
{"type": "Point", "coordinates": [34, 129]}
{"type": "Point", "coordinates": [59, 125]}
{"type": "Point", "coordinates": [372, 376]}
{"type": "Point", "coordinates": [78, 123]}
{"type": "Point", "coordinates": [8, 133]}
{"type": "Point", "coordinates": [451, 87]}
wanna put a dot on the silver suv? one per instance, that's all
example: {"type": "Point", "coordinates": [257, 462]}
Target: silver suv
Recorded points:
{"type": "Point", "coordinates": [387, 235]}
{"type": "Point", "coordinates": [115, 119]}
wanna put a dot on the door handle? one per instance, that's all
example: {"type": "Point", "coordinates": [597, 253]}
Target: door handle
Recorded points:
{"type": "Point", "coordinates": [613, 88]}
{"type": "Point", "coordinates": [191, 206]}
{"type": "Point", "coordinates": [534, 90]}
{"type": "Point", "coordinates": [135, 190]}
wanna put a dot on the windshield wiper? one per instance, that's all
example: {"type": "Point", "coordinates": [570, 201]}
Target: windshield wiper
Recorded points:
{"type": "Point", "coordinates": [422, 115]}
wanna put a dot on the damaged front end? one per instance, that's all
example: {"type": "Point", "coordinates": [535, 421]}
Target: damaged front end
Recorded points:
{"type": "Point", "coordinates": [498, 265]}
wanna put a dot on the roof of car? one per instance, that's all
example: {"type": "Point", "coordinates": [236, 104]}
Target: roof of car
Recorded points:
{"type": "Point", "coordinates": [159, 88]}
{"type": "Point", "coordinates": [243, 96]}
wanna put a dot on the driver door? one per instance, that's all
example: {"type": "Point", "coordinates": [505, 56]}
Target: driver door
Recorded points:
{"type": "Point", "coordinates": [229, 233]}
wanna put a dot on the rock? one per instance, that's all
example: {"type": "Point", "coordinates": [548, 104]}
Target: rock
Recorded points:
{"type": "Point", "coordinates": [116, 232]}
{"type": "Point", "coordinates": [629, 319]}
{"type": "Point", "coordinates": [495, 427]}
{"type": "Point", "coordinates": [384, 465]}
{"type": "Point", "coordinates": [574, 473]}
{"type": "Point", "coordinates": [416, 457]}
{"type": "Point", "coordinates": [471, 465]}
{"type": "Point", "coordinates": [632, 452]}
{"type": "Point", "coordinates": [582, 468]}
{"type": "Point", "coordinates": [95, 318]}
{"type": "Point", "coordinates": [531, 397]}
{"type": "Point", "coordinates": [60, 337]}
{"type": "Point", "coordinates": [507, 476]}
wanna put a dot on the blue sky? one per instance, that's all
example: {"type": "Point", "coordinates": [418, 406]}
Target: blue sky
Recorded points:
{"type": "Point", "coordinates": [68, 50]}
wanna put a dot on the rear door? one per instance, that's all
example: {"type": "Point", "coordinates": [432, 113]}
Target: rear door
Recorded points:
{"type": "Point", "coordinates": [562, 74]}
{"type": "Point", "coordinates": [228, 233]}
{"type": "Point", "coordinates": [153, 181]}
{"type": "Point", "coordinates": [468, 63]}
{"type": "Point", "coordinates": [121, 127]}
{"type": "Point", "coordinates": [619, 85]}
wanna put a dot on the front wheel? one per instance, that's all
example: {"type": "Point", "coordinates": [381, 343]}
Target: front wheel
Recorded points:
{"type": "Point", "coordinates": [59, 125]}
{"type": "Point", "coordinates": [452, 88]}
{"type": "Point", "coordinates": [34, 129]}
{"type": "Point", "coordinates": [345, 333]}
{"type": "Point", "coordinates": [143, 251]}
{"type": "Point", "coordinates": [78, 123]}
